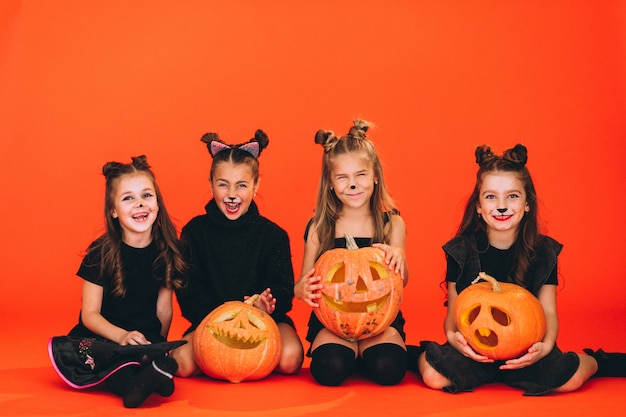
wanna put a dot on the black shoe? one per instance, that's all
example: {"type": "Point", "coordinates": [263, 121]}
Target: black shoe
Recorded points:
{"type": "Point", "coordinates": [609, 364]}
{"type": "Point", "coordinates": [157, 377]}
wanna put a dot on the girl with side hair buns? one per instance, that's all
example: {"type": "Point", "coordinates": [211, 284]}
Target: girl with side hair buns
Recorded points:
{"type": "Point", "coordinates": [352, 199]}
{"type": "Point", "coordinates": [128, 274]}
{"type": "Point", "coordinates": [234, 252]}
{"type": "Point", "coordinates": [499, 235]}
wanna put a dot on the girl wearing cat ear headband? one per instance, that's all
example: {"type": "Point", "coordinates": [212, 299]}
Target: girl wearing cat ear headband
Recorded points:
{"type": "Point", "coordinates": [235, 252]}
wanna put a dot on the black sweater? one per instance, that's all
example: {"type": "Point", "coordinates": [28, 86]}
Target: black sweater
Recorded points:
{"type": "Point", "coordinates": [233, 258]}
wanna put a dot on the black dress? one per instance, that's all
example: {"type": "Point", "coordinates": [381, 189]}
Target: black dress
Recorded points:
{"type": "Point", "coordinates": [83, 358]}
{"type": "Point", "coordinates": [315, 325]}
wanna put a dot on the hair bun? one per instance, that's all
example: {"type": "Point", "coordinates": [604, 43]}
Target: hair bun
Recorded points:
{"type": "Point", "coordinates": [140, 162]}
{"type": "Point", "coordinates": [261, 137]}
{"type": "Point", "coordinates": [359, 129]}
{"type": "Point", "coordinates": [517, 154]}
{"type": "Point", "coordinates": [483, 154]}
{"type": "Point", "coordinates": [111, 168]}
{"type": "Point", "coordinates": [324, 137]}
{"type": "Point", "coordinates": [209, 137]}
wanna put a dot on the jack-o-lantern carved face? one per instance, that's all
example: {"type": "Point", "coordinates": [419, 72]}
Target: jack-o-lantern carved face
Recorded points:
{"type": "Point", "coordinates": [237, 342]}
{"type": "Point", "coordinates": [361, 296]}
{"type": "Point", "coordinates": [499, 320]}
{"type": "Point", "coordinates": [238, 329]}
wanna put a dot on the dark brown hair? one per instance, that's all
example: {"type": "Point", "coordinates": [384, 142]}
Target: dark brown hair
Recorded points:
{"type": "Point", "coordinates": [163, 232]}
{"type": "Point", "coordinates": [512, 160]}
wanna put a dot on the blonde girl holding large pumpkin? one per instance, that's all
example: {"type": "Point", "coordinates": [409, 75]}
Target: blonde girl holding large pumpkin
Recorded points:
{"type": "Point", "coordinates": [499, 235]}
{"type": "Point", "coordinates": [234, 252]}
{"type": "Point", "coordinates": [352, 199]}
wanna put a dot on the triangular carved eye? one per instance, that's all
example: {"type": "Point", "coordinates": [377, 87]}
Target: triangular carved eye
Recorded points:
{"type": "Point", "coordinates": [228, 316]}
{"type": "Point", "coordinates": [501, 317]}
{"type": "Point", "coordinates": [256, 321]}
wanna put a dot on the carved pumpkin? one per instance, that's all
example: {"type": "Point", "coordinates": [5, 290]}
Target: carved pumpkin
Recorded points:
{"type": "Point", "coordinates": [237, 342]}
{"type": "Point", "coordinates": [499, 320]}
{"type": "Point", "coordinates": [360, 295]}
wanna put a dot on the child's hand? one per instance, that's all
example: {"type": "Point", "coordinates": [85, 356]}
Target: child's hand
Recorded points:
{"type": "Point", "coordinates": [535, 352]}
{"type": "Point", "coordinates": [133, 338]}
{"type": "Point", "coordinates": [460, 343]}
{"type": "Point", "coordinates": [394, 257]}
{"type": "Point", "coordinates": [266, 301]}
{"type": "Point", "coordinates": [308, 287]}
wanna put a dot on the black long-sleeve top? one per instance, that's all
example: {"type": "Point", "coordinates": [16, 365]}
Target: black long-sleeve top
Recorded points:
{"type": "Point", "coordinates": [230, 259]}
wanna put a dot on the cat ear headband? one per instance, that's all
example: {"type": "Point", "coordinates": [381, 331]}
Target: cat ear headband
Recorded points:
{"type": "Point", "coordinates": [253, 146]}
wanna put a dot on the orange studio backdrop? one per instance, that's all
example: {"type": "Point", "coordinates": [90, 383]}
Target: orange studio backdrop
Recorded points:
{"type": "Point", "coordinates": [85, 82]}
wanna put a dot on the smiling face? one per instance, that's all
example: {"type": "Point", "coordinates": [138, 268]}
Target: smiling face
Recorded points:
{"type": "Point", "coordinates": [352, 179]}
{"type": "Point", "coordinates": [233, 188]}
{"type": "Point", "coordinates": [135, 206]}
{"type": "Point", "coordinates": [502, 203]}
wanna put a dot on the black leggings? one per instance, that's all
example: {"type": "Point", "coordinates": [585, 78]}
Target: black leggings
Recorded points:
{"type": "Point", "coordinates": [384, 363]}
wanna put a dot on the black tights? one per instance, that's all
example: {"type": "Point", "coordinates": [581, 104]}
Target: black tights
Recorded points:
{"type": "Point", "coordinates": [332, 363]}
{"type": "Point", "coordinates": [385, 363]}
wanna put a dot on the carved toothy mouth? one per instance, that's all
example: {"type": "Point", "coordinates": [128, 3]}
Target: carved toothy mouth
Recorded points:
{"type": "Point", "coordinates": [360, 307]}
{"type": "Point", "coordinates": [234, 341]}
{"type": "Point", "coordinates": [230, 331]}
{"type": "Point", "coordinates": [485, 338]}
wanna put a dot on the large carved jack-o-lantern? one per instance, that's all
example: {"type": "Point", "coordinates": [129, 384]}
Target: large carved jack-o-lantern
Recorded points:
{"type": "Point", "coordinates": [360, 295]}
{"type": "Point", "coordinates": [499, 320]}
{"type": "Point", "coordinates": [237, 342]}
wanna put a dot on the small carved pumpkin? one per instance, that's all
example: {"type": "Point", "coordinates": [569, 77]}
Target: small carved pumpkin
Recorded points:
{"type": "Point", "coordinates": [499, 320]}
{"type": "Point", "coordinates": [237, 342]}
{"type": "Point", "coordinates": [360, 295]}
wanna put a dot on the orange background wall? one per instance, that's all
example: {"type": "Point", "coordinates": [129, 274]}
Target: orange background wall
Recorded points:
{"type": "Point", "coordinates": [82, 83]}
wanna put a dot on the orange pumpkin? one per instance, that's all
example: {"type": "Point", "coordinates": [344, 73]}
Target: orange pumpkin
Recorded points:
{"type": "Point", "coordinates": [499, 320]}
{"type": "Point", "coordinates": [237, 342]}
{"type": "Point", "coordinates": [360, 295]}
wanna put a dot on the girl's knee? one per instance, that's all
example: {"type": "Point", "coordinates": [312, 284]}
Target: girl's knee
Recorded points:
{"type": "Point", "coordinates": [430, 377]}
{"type": "Point", "coordinates": [184, 358]}
{"type": "Point", "coordinates": [575, 382]}
{"type": "Point", "coordinates": [292, 354]}
{"type": "Point", "coordinates": [385, 363]}
{"type": "Point", "coordinates": [587, 367]}
{"type": "Point", "coordinates": [186, 369]}
{"type": "Point", "coordinates": [332, 363]}
{"type": "Point", "coordinates": [433, 379]}
{"type": "Point", "coordinates": [291, 359]}
{"type": "Point", "coordinates": [289, 364]}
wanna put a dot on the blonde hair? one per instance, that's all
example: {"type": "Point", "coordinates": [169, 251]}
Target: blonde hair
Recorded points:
{"type": "Point", "coordinates": [328, 206]}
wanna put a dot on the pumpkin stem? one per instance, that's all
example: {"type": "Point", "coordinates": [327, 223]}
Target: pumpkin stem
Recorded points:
{"type": "Point", "coordinates": [350, 242]}
{"type": "Point", "coordinates": [495, 285]}
{"type": "Point", "coordinates": [252, 299]}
